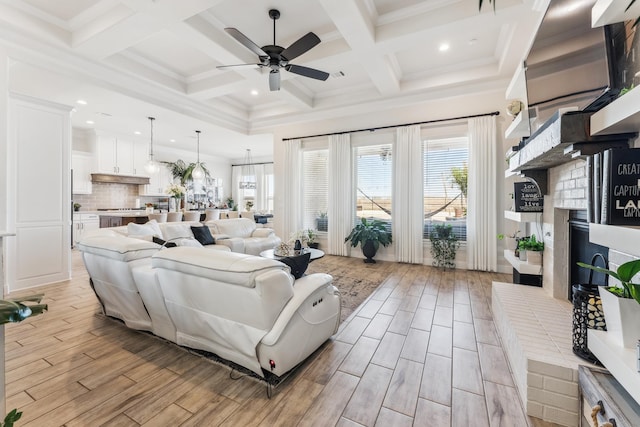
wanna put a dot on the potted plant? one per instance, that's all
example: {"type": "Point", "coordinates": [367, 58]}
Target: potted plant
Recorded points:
{"type": "Point", "coordinates": [76, 207]}
{"type": "Point", "coordinates": [534, 250]}
{"type": "Point", "coordinates": [512, 240]}
{"type": "Point", "coordinates": [230, 202]}
{"type": "Point", "coordinates": [322, 222]}
{"type": "Point", "coordinates": [370, 234]}
{"type": "Point", "coordinates": [621, 304]}
{"type": "Point", "coordinates": [248, 205]}
{"type": "Point", "coordinates": [444, 245]}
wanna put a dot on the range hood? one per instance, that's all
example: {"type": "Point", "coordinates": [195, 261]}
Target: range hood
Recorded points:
{"type": "Point", "coordinates": [119, 179]}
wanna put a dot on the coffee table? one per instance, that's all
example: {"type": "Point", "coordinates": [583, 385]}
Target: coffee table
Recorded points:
{"type": "Point", "coordinates": [315, 254]}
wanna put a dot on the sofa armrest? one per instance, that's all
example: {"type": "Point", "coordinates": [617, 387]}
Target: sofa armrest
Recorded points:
{"type": "Point", "coordinates": [302, 289]}
{"type": "Point", "coordinates": [220, 236]}
{"type": "Point", "coordinates": [236, 244]}
{"type": "Point", "coordinates": [262, 232]}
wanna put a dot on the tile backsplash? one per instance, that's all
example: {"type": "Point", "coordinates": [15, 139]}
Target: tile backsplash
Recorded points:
{"type": "Point", "coordinates": [110, 195]}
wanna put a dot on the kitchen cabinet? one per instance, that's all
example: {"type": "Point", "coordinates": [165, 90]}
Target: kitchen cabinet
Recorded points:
{"type": "Point", "coordinates": [114, 155]}
{"type": "Point", "coordinates": [83, 223]}
{"type": "Point", "coordinates": [158, 183]}
{"type": "Point", "coordinates": [140, 158]}
{"type": "Point", "coordinates": [107, 221]}
{"type": "Point", "coordinates": [82, 165]}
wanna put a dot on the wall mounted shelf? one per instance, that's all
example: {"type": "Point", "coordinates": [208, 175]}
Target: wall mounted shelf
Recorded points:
{"type": "Point", "coordinates": [519, 127]}
{"type": "Point", "coordinates": [621, 116]}
{"type": "Point", "coordinates": [523, 267]}
{"type": "Point", "coordinates": [621, 238]}
{"type": "Point", "coordinates": [611, 11]}
{"type": "Point", "coordinates": [523, 216]}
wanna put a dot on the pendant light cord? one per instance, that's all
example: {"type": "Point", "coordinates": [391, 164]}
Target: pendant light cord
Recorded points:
{"type": "Point", "coordinates": [151, 141]}
{"type": "Point", "coordinates": [198, 138]}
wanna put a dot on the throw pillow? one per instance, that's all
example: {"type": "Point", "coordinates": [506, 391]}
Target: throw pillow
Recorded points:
{"type": "Point", "coordinates": [151, 228]}
{"type": "Point", "coordinates": [174, 231]}
{"type": "Point", "coordinates": [297, 264]}
{"type": "Point", "coordinates": [163, 242]}
{"type": "Point", "coordinates": [203, 235]}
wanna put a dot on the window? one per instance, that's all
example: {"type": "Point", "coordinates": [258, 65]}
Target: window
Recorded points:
{"type": "Point", "coordinates": [445, 184]}
{"type": "Point", "coordinates": [374, 181]}
{"type": "Point", "coordinates": [315, 194]}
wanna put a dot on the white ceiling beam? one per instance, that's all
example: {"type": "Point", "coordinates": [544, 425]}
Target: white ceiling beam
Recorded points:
{"type": "Point", "coordinates": [100, 39]}
{"type": "Point", "coordinates": [356, 26]}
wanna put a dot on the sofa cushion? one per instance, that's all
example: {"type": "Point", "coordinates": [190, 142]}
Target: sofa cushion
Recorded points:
{"type": "Point", "coordinates": [236, 227]}
{"type": "Point", "coordinates": [297, 264]}
{"type": "Point", "coordinates": [119, 248]}
{"type": "Point", "coordinates": [174, 231]}
{"type": "Point", "coordinates": [203, 235]}
{"type": "Point", "coordinates": [151, 228]}
{"type": "Point", "coordinates": [221, 266]}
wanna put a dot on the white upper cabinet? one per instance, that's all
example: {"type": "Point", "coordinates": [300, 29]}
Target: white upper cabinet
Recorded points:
{"type": "Point", "coordinates": [158, 183]}
{"type": "Point", "coordinates": [115, 155]}
{"type": "Point", "coordinates": [140, 158]}
{"type": "Point", "coordinates": [82, 165]}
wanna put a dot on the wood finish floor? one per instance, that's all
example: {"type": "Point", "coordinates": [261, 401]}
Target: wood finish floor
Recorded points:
{"type": "Point", "coordinates": [421, 351]}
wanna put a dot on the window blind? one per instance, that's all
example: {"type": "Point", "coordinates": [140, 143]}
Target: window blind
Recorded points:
{"type": "Point", "coordinates": [315, 190]}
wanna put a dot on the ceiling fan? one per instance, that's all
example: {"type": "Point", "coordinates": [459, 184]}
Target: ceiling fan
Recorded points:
{"type": "Point", "coordinates": [276, 57]}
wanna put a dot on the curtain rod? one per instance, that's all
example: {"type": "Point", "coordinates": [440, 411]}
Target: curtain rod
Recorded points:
{"type": "Point", "coordinates": [493, 113]}
{"type": "Point", "coordinates": [252, 164]}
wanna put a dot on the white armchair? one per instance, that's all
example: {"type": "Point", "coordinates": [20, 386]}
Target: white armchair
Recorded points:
{"type": "Point", "coordinates": [242, 235]}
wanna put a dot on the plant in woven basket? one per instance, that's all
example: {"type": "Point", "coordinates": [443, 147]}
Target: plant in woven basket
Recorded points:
{"type": "Point", "coordinates": [444, 245]}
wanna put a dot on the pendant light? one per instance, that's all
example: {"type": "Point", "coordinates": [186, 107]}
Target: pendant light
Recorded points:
{"type": "Point", "coordinates": [248, 181]}
{"type": "Point", "coordinates": [151, 167]}
{"type": "Point", "coordinates": [198, 171]}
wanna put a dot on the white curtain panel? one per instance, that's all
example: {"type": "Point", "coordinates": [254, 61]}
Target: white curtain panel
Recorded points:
{"type": "Point", "coordinates": [292, 214]}
{"type": "Point", "coordinates": [340, 205]}
{"type": "Point", "coordinates": [482, 210]}
{"type": "Point", "coordinates": [408, 195]}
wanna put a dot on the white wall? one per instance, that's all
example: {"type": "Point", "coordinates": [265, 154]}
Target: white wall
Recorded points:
{"type": "Point", "coordinates": [431, 110]}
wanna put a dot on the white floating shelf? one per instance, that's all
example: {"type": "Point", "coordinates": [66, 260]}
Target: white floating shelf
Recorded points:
{"type": "Point", "coordinates": [523, 216]}
{"type": "Point", "coordinates": [617, 237]}
{"type": "Point", "coordinates": [509, 173]}
{"type": "Point", "coordinates": [517, 88]}
{"type": "Point", "coordinates": [611, 11]}
{"type": "Point", "coordinates": [522, 266]}
{"type": "Point", "coordinates": [519, 127]}
{"type": "Point", "coordinates": [621, 116]}
{"type": "Point", "coordinates": [620, 361]}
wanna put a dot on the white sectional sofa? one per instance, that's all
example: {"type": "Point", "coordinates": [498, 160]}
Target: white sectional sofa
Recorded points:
{"type": "Point", "coordinates": [243, 308]}
{"type": "Point", "coordinates": [243, 235]}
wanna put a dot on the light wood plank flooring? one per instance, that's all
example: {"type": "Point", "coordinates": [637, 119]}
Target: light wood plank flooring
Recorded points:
{"type": "Point", "coordinates": [421, 351]}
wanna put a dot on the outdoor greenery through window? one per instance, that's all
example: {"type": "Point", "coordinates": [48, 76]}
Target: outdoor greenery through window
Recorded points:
{"type": "Point", "coordinates": [445, 184]}
{"type": "Point", "coordinates": [316, 189]}
{"type": "Point", "coordinates": [374, 181]}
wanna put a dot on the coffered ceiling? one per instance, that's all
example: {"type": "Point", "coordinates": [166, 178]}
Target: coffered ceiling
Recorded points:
{"type": "Point", "coordinates": [163, 54]}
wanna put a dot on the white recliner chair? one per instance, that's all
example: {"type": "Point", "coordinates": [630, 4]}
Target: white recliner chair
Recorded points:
{"type": "Point", "coordinates": [243, 235]}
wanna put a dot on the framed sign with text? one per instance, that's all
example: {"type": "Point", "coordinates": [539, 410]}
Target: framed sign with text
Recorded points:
{"type": "Point", "coordinates": [527, 197]}
{"type": "Point", "coordinates": [621, 187]}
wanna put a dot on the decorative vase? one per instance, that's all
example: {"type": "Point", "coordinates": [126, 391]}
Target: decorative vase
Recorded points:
{"type": "Point", "coordinates": [369, 251]}
{"type": "Point", "coordinates": [623, 317]}
{"type": "Point", "coordinates": [172, 204]}
{"type": "Point", "coordinates": [523, 255]}
{"type": "Point", "coordinates": [534, 257]}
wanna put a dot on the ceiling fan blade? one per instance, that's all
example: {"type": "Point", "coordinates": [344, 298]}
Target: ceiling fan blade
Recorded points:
{"type": "Point", "coordinates": [246, 42]}
{"type": "Point", "coordinates": [237, 66]}
{"type": "Point", "coordinates": [307, 72]}
{"type": "Point", "coordinates": [300, 46]}
{"type": "Point", "coordinates": [274, 80]}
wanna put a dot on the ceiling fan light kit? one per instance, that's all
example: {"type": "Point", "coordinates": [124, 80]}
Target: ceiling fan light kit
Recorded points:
{"type": "Point", "coordinates": [276, 57]}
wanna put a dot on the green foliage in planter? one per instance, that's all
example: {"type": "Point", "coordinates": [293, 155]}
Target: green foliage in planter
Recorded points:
{"type": "Point", "coordinates": [444, 245]}
{"type": "Point", "coordinates": [625, 273]}
{"type": "Point", "coordinates": [11, 418]}
{"type": "Point", "coordinates": [183, 171]}
{"type": "Point", "coordinates": [15, 309]}
{"type": "Point", "coordinates": [374, 230]}
{"type": "Point", "coordinates": [530, 244]}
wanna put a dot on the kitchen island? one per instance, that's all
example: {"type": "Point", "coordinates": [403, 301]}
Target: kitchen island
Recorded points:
{"type": "Point", "coordinates": [116, 219]}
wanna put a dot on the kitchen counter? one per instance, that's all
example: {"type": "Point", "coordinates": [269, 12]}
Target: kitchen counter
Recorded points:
{"type": "Point", "coordinates": [119, 218]}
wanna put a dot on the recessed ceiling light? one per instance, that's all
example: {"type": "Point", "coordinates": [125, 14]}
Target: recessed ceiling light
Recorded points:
{"type": "Point", "coordinates": [172, 140]}
{"type": "Point", "coordinates": [137, 132]}
{"type": "Point", "coordinates": [89, 122]}
{"type": "Point", "coordinates": [81, 102]}
{"type": "Point", "coordinates": [473, 41]}
{"type": "Point", "coordinates": [254, 92]}
{"type": "Point", "coordinates": [444, 47]}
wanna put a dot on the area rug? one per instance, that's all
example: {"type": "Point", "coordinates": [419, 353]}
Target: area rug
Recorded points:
{"type": "Point", "coordinates": [354, 279]}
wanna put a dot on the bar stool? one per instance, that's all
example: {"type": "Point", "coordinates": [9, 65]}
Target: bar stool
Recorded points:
{"type": "Point", "coordinates": [174, 217]}
{"type": "Point", "coordinates": [159, 217]}
{"type": "Point", "coordinates": [191, 216]}
{"type": "Point", "coordinates": [212, 214]}
{"type": "Point", "coordinates": [232, 214]}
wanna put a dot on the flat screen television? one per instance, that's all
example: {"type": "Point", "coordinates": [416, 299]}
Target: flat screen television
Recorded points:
{"type": "Point", "coordinates": [573, 66]}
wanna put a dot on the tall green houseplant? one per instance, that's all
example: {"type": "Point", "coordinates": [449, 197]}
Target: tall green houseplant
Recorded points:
{"type": "Point", "coordinates": [370, 234]}
{"type": "Point", "coordinates": [444, 245]}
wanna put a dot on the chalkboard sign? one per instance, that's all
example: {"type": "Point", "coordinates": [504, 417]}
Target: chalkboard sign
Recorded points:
{"type": "Point", "coordinates": [621, 187]}
{"type": "Point", "coordinates": [527, 197]}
